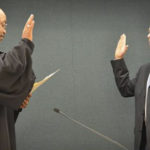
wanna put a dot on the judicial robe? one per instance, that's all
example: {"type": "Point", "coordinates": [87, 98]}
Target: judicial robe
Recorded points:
{"type": "Point", "coordinates": [16, 81]}
{"type": "Point", "coordinates": [135, 87]}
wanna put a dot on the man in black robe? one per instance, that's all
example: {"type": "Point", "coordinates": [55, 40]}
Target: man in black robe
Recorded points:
{"type": "Point", "coordinates": [138, 87]}
{"type": "Point", "coordinates": [16, 81]}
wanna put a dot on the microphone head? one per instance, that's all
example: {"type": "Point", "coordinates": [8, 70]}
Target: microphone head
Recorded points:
{"type": "Point", "coordinates": [56, 110]}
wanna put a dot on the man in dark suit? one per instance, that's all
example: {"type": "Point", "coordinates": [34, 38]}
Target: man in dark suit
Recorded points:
{"type": "Point", "coordinates": [137, 87]}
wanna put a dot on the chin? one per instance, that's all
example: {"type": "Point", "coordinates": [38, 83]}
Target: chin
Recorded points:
{"type": "Point", "coordinates": [1, 38]}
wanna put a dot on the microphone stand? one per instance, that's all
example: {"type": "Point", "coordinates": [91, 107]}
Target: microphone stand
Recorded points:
{"type": "Point", "coordinates": [90, 129]}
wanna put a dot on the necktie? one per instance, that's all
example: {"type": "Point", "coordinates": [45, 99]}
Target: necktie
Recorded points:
{"type": "Point", "coordinates": [146, 97]}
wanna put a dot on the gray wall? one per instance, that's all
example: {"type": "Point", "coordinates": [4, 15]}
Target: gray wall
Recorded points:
{"type": "Point", "coordinates": [79, 37]}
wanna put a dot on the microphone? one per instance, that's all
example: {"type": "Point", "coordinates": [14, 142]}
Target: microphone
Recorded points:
{"type": "Point", "coordinates": [90, 129]}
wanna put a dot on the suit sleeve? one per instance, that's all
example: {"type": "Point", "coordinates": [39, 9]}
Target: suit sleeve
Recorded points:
{"type": "Point", "coordinates": [126, 86]}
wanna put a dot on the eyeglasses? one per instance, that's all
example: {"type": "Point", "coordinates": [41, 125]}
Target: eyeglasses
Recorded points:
{"type": "Point", "coordinates": [4, 25]}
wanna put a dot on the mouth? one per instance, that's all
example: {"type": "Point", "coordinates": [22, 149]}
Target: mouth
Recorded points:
{"type": "Point", "coordinates": [2, 37]}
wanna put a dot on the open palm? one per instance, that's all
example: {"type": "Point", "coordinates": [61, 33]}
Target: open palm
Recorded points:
{"type": "Point", "coordinates": [121, 47]}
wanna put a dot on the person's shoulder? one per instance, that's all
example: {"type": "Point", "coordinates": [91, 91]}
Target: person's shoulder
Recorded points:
{"type": "Point", "coordinates": [145, 66]}
{"type": "Point", "coordinates": [2, 52]}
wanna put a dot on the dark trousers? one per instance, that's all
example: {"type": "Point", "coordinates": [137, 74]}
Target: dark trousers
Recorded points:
{"type": "Point", "coordinates": [143, 140]}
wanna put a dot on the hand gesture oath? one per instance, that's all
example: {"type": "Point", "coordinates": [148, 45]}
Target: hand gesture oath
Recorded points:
{"type": "Point", "coordinates": [121, 47]}
{"type": "Point", "coordinates": [28, 28]}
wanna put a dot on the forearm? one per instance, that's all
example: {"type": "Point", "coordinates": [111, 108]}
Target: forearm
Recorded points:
{"type": "Point", "coordinates": [121, 73]}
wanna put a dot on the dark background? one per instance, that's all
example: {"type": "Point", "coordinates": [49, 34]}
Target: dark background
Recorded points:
{"type": "Point", "coordinates": [79, 37]}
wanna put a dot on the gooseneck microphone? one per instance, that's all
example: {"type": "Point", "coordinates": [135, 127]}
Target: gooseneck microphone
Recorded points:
{"type": "Point", "coordinates": [90, 129]}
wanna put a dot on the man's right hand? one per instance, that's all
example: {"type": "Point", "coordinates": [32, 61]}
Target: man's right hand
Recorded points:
{"type": "Point", "coordinates": [121, 47]}
{"type": "Point", "coordinates": [28, 28]}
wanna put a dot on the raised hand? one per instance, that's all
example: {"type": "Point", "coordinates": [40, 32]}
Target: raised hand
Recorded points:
{"type": "Point", "coordinates": [28, 28]}
{"type": "Point", "coordinates": [121, 47]}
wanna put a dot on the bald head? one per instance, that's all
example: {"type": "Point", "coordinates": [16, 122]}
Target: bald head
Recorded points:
{"type": "Point", "coordinates": [2, 24]}
{"type": "Point", "coordinates": [2, 15]}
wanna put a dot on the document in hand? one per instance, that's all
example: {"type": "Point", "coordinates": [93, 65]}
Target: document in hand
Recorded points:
{"type": "Point", "coordinates": [38, 84]}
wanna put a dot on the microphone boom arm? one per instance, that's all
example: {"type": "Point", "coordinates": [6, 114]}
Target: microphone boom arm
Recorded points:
{"type": "Point", "coordinates": [92, 130]}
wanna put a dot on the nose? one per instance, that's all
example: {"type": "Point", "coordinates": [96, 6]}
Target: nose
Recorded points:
{"type": "Point", "coordinates": [4, 32]}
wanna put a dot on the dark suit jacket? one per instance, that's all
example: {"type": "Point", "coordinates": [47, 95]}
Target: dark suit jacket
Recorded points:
{"type": "Point", "coordinates": [134, 87]}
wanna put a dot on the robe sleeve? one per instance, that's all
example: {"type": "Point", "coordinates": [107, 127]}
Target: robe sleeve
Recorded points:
{"type": "Point", "coordinates": [16, 114]}
{"type": "Point", "coordinates": [16, 74]}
